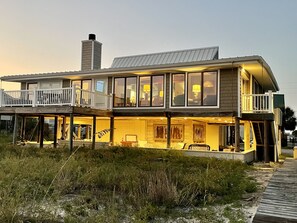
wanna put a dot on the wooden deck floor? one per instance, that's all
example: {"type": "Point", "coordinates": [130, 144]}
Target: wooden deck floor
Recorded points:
{"type": "Point", "coordinates": [279, 202]}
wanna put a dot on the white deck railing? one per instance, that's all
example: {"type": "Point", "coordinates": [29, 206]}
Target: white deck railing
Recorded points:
{"type": "Point", "coordinates": [255, 103]}
{"type": "Point", "coordinates": [60, 96]}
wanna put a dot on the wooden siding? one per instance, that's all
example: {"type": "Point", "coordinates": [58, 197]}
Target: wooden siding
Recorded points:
{"type": "Point", "coordinates": [65, 83]}
{"type": "Point", "coordinates": [229, 90]}
{"type": "Point", "coordinates": [86, 60]}
{"type": "Point", "coordinates": [97, 55]}
{"type": "Point", "coordinates": [23, 85]}
{"type": "Point", "coordinates": [109, 85]}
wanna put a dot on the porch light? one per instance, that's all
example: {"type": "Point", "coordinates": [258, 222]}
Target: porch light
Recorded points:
{"type": "Point", "coordinates": [196, 88]}
{"type": "Point", "coordinates": [146, 88]}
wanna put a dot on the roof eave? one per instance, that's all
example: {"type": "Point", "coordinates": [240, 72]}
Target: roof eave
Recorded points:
{"type": "Point", "coordinates": [237, 61]}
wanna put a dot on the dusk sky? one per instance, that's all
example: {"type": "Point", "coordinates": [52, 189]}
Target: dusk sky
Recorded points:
{"type": "Point", "coordinates": [40, 36]}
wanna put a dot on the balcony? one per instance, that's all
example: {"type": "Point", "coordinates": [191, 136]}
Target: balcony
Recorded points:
{"type": "Point", "coordinates": [55, 97]}
{"type": "Point", "coordinates": [257, 103]}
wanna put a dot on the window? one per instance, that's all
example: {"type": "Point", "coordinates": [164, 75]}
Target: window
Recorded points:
{"type": "Point", "coordinates": [83, 97]}
{"type": "Point", "coordinates": [158, 91]}
{"type": "Point", "coordinates": [125, 92]}
{"type": "Point", "coordinates": [148, 93]}
{"type": "Point", "coordinates": [209, 88]}
{"type": "Point", "coordinates": [178, 90]}
{"type": "Point", "coordinates": [100, 86]}
{"type": "Point", "coordinates": [131, 92]}
{"type": "Point", "coordinates": [201, 89]}
{"type": "Point", "coordinates": [151, 91]}
{"type": "Point", "coordinates": [83, 84]}
{"type": "Point", "coordinates": [119, 92]}
{"type": "Point", "coordinates": [145, 91]}
{"type": "Point", "coordinates": [194, 89]}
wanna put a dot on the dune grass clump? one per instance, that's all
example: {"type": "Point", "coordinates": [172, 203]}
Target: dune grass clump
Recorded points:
{"type": "Point", "coordinates": [111, 183]}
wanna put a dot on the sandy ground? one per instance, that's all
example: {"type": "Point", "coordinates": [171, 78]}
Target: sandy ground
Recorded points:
{"type": "Point", "coordinates": [262, 175]}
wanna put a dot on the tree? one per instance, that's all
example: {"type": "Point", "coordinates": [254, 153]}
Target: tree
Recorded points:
{"type": "Point", "coordinates": [294, 133]}
{"type": "Point", "coordinates": [288, 123]}
{"type": "Point", "coordinates": [289, 119]}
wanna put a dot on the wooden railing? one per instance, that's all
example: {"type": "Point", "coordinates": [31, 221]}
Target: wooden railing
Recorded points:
{"type": "Point", "coordinates": [60, 96]}
{"type": "Point", "coordinates": [257, 103]}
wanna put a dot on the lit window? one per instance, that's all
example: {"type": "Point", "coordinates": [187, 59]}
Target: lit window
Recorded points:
{"type": "Point", "coordinates": [145, 91]}
{"type": "Point", "coordinates": [178, 90]}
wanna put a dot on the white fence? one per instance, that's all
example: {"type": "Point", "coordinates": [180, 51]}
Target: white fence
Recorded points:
{"type": "Point", "coordinates": [60, 96]}
{"type": "Point", "coordinates": [253, 103]}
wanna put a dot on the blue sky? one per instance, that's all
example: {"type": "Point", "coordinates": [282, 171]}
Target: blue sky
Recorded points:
{"type": "Point", "coordinates": [39, 36]}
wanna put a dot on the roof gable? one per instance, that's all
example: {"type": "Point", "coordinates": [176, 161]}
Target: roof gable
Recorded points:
{"type": "Point", "coordinates": [173, 57]}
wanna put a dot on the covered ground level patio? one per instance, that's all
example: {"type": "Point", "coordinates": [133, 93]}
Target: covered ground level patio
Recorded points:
{"type": "Point", "coordinates": [214, 136]}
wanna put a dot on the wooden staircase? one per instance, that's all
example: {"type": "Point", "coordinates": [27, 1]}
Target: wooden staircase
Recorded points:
{"type": "Point", "coordinates": [258, 127]}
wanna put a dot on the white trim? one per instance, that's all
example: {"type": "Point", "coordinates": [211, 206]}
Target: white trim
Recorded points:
{"type": "Point", "coordinates": [218, 88]}
{"type": "Point", "coordinates": [137, 91]}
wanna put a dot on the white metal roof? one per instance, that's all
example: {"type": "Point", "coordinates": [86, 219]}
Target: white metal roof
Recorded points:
{"type": "Point", "coordinates": [173, 57]}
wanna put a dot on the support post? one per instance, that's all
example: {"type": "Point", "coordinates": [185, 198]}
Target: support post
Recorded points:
{"type": "Point", "coordinates": [64, 128]}
{"type": "Point", "coordinates": [94, 132]}
{"type": "Point", "coordinates": [73, 95]}
{"type": "Point", "coordinates": [23, 128]}
{"type": "Point", "coordinates": [41, 129]}
{"type": "Point", "coordinates": [270, 103]}
{"type": "Point", "coordinates": [55, 131]}
{"type": "Point", "coordinates": [79, 132]}
{"type": "Point", "coordinates": [14, 140]}
{"type": "Point", "coordinates": [266, 142]}
{"type": "Point", "coordinates": [111, 133]}
{"type": "Point", "coordinates": [168, 131]}
{"type": "Point", "coordinates": [247, 135]}
{"type": "Point", "coordinates": [237, 135]}
{"type": "Point", "coordinates": [71, 133]}
{"type": "Point", "coordinates": [34, 101]}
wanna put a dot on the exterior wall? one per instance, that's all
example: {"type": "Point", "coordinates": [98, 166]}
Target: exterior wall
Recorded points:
{"type": "Point", "coordinates": [109, 86]}
{"type": "Point", "coordinates": [130, 127]}
{"type": "Point", "coordinates": [86, 60]}
{"type": "Point", "coordinates": [212, 136]}
{"type": "Point", "coordinates": [245, 157]}
{"type": "Point", "coordinates": [229, 90]}
{"type": "Point", "coordinates": [144, 129]}
{"type": "Point", "coordinates": [65, 83]}
{"type": "Point", "coordinates": [45, 84]}
{"type": "Point", "coordinates": [23, 85]}
{"type": "Point", "coordinates": [91, 55]}
{"type": "Point", "coordinates": [97, 55]}
{"type": "Point", "coordinates": [102, 124]}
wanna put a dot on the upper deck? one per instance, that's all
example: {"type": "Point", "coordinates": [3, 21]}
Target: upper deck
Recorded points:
{"type": "Point", "coordinates": [250, 103]}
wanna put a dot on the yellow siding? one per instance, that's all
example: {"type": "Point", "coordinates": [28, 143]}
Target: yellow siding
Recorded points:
{"type": "Point", "coordinates": [131, 127]}
{"type": "Point", "coordinates": [212, 136]}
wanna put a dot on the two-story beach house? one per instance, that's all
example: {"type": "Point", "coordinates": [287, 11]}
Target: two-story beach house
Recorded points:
{"type": "Point", "coordinates": [187, 99]}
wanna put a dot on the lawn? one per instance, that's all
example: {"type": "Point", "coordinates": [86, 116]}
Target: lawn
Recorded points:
{"type": "Point", "coordinates": [115, 185]}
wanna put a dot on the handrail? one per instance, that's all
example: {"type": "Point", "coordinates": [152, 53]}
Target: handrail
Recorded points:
{"type": "Point", "coordinates": [255, 103]}
{"type": "Point", "coordinates": [71, 96]}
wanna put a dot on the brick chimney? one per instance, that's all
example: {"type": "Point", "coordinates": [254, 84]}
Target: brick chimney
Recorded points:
{"type": "Point", "coordinates": [91, 53]}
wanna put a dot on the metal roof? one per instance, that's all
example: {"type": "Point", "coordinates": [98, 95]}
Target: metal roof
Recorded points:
{"type": "Point", "coordinates": [173, 57]}
{"type": "Point", "coordinates": [253, 64]}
